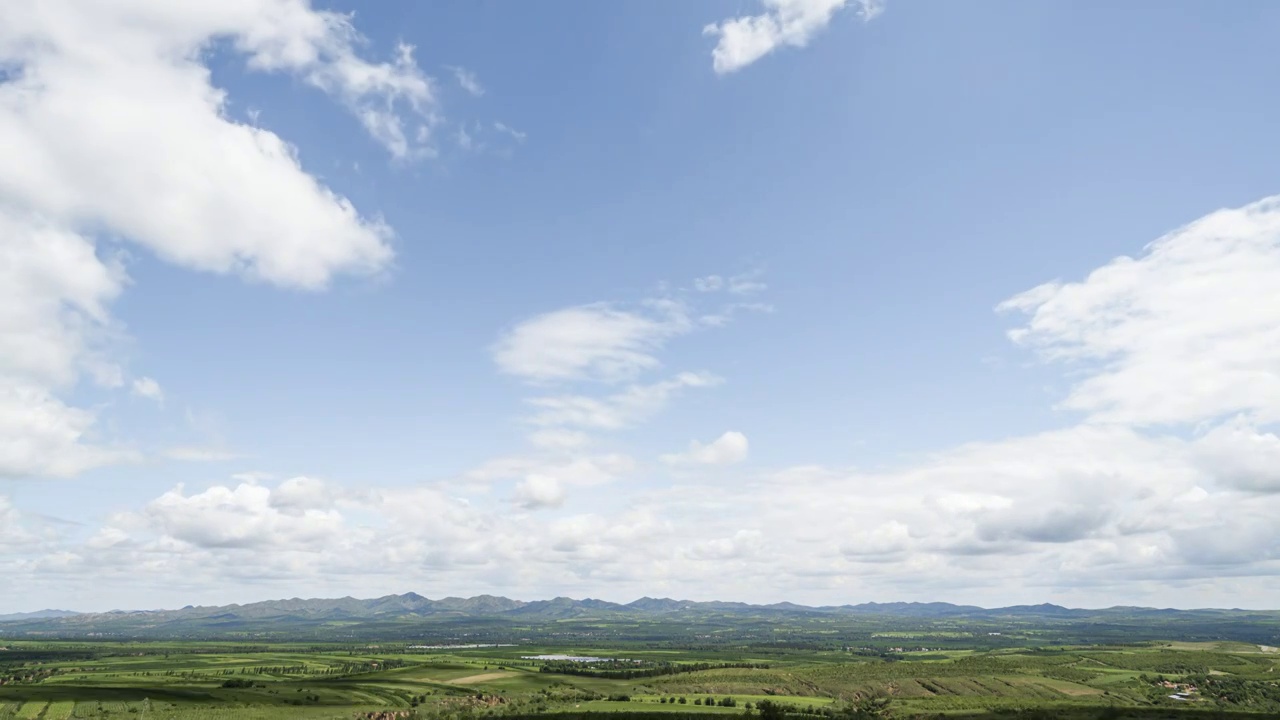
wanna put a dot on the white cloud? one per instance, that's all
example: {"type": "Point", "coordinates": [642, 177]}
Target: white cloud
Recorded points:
{"type": "Point", "coordinates": [476, 136]}
{"type": "Point", "coordinates": [1238, 456]}
{"type": "Point", "coordinates": [743, 544]}
{"type": "Point", "coordinates": [1098, 507]}
{"type": "Point", "coordinates": [607, 344]}
{"type": "Point", "coordinates": [710, 283]}
{"type": "Point", "coordinates": [109, 124]}
{"type": "Point", "coordinates": [468, 81]}
{"type": "Point", "coordinates": [504, 128]}
{"type": "Point", "coordinates": [42, 436]}
{"type": "Point", "coordinates": [148, 388]}
{"type": "Point", "coordinates": [1229, 544]}
{"type": "Point", "coordinates": [1177, 335]}
{"type": "Point", "coordinates": [1056, 523]}
{"type": "Point", "coordinates": [597, 342]}
{"type": "Point", "coordinates": [726, 313]}
{"type": "Point", "coordinates": [195, 188]}
{"type": "Point", "coordinates": [464, 138]}
{"type": "Point", "coordinates": [747, 283]}
{"type": "Point", "coordinates": [581, 470]}
{"type": "Point", "coordinates": [887, 540]}
{"type": "Point", "coordinates": [743, 40]}
{"type": "Point", "coordinates": [1114, 509]}
{"type": "Point", "coordinates": [605, 547]}
{"type": "Point", "coordinates": [12, 530]}
{"type": "Point", "coordinates": [613, 412]}
{"type": "Point", "coordinates": [304, 493]}
{"type": "Point", "coordinates": [320, 46]}
{"type": "Point", "coordinates": [241, 517]}
{"type": "Point", "coordinates": [54, 326]}
{"type": "Point", "coordinates": [539, 491]}
{"type": "Point", "coordinates": [729, 448]}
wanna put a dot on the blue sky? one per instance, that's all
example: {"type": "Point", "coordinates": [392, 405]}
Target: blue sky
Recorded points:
{"type": "Point", "coordinates": [737, 300]}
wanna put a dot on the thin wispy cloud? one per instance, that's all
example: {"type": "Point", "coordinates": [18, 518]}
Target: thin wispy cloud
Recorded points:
{"type": "Point", "coordinates": [468, 81]}
{"type": "Point", "coordinates": [728, 449]}
{"type": "Point", "coordinates": [148, 388]}
{"type": "Point", "coordinates": [743, 40]}
{"type": "Point", "coordinates": [508, 130]}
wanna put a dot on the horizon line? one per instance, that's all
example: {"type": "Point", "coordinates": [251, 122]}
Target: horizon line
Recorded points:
{"type": "Point", "coordinates": [648, 597]}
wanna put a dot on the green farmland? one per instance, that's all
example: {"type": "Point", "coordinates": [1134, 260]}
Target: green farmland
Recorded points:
{"type": "Point", "coordinates": [220, 680]}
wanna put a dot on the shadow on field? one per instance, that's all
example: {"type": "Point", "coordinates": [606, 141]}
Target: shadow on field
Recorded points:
{"type": "Point", "coordinates": [52, 693]}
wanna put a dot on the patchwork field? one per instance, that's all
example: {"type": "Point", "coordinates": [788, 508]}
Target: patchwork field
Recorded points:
{"type": "Point", "coordinates": [213, 681]}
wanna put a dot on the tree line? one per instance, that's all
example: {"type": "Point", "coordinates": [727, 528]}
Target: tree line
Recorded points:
{"type": "Point", "coordinates": [622, 672]}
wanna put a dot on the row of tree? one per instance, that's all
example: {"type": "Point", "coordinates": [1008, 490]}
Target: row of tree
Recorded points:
{"type": "Point", "coordinates": [632, 672]}
{"type": "Point", "coordinates": [722, 702]}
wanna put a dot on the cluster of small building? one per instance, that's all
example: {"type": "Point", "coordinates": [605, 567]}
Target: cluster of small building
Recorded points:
{"type": "Point", "coordinates": [1182, 691]}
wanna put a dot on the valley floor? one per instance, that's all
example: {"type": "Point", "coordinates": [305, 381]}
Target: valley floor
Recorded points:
{"type": "Point", "coordinates": [61, 680]}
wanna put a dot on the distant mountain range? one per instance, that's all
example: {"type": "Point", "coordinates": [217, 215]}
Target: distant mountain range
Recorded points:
{"type": "Point", "coordinates": [412, 605]}
{"type": "Point", "coordinates": [37, 615]}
